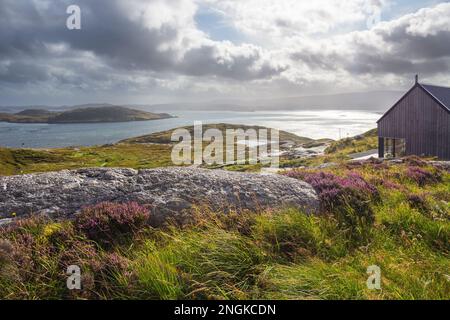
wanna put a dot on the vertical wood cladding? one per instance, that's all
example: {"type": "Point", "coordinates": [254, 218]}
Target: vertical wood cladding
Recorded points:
{"type": "Point", "coordinates": [421, 121]}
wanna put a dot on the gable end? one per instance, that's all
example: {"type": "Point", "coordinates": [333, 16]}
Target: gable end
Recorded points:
{"type": "Point", "coordinates": [407, 93]}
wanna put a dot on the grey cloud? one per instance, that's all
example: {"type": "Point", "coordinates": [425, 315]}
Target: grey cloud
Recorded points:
{"type": "Point", "coordinates": [207, 61]}
{"type": "Point", "coordinates": [316, 60]}
{"type": "Point", "coordinates": [117, 53]}
{"type": "Point", "coordinates": [401, 51]}
{"type": "Point", "coordinates": [366, 63]}
{"type": "Point", "coordinates": [391, 48]}
{"type": "Point", "coordinates": [418, 46]}
{"type": "Point", "coordinates": [122, 43]}
{"type": "Point", "coordinates": [23, 72]}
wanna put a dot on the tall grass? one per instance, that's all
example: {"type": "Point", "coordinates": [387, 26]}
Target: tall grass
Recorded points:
{"type": "Point", "coordinates": [280, 254]}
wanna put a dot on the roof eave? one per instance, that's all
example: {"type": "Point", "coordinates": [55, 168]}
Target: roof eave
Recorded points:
{"type": "Point", "coordinates": [409, 91]}
{"type": "Point", "coordinates": [436, 98]}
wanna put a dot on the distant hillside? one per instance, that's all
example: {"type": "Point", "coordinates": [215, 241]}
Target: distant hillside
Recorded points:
{"type": "Point", "coordinates": [24, 117]}
{"type": "Point", "coordinates": [374, 101]}
{"type": "Point", "coordinates": [105, 113]}
{"type": "Point", "coordinates": [165, 136]}
{"type": "Point", "coordinates": [35, 113]}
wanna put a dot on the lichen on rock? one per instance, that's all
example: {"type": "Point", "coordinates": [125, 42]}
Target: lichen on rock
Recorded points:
{"type": "Point", "coordinates": [166, 190]}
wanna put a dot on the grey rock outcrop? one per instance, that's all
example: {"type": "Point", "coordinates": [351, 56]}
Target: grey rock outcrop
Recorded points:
{"type": "Point", "coordinates": [167, 191]}
{"type": "Point", "coordinates": [444, 165]}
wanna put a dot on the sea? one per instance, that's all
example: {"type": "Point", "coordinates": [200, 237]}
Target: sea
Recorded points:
{"type": "Point", "coordinates": [315, 124]}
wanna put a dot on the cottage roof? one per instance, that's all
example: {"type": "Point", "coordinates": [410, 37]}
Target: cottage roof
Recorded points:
{"type": "Point", "coordinates": [440, 94]}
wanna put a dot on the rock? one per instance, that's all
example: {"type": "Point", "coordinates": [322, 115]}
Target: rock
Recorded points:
{"type": "Point", "coordinates": [4, 222]}
{"type": "Point", "coordinates": [444, 165]}
{"type": "Point", "coordinates": [167, 191]}
{"type": "Point", "coordinates": [327, 165]}
{"type": "Point", "coordinates": [396, 161]}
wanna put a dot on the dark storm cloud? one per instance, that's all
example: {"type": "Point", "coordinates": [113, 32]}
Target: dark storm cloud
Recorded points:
{"type": "Point", "coordinates": [22, 72]}
{"type": "Point", "coordinates": [109, 33]}
{"type": "Point", "coordinates": [123, 48]}
{"type": "Point", "coordinates": [106, 31]}
{"type": "Point", "coordinates": [126, 44]}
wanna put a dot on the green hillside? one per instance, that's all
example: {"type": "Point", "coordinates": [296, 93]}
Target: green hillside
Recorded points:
{"type": "Point", "coordinates": [394, 216]}
{"type": "Point", "coordinates": [165, 136]}
{"type": "Point", "coordinates": [107, 113]}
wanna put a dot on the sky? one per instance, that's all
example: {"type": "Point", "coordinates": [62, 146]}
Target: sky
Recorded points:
{"type": "Point", "coordinates": [163, 51]}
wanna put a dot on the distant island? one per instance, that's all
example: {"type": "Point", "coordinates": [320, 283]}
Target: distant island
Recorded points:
{"type": "Point", "coordinates": [96, 114]}
{"type": "Point", "coordinates": [166, 136]}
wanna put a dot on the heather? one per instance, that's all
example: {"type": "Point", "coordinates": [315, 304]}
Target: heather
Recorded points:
{"type": "Point", "coordinates": [348, 198]}
{"type": "Point", "coordinates": [389, 214]}
{"type": "Point", "coordinates": [422, 176]}
{"type": "Point", "coordinates": [107, 222]}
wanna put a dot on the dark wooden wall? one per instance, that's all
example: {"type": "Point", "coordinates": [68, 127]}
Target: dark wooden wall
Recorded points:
{"type": "Point", "coordinates": [422, 122]}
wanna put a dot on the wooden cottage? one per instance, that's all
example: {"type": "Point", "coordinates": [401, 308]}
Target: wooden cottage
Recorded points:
{"type": "Point", "coordinates": [418, 124]}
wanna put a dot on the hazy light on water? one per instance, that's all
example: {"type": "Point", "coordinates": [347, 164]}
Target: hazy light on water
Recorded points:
{"type": "Point", "coordinates": [312, 124]}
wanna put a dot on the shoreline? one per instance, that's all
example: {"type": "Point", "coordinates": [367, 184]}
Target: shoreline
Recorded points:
{"type": "Point", "coordinates": [315, 126]}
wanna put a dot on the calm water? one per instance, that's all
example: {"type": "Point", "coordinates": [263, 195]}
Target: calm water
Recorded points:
{"type": "Point", "coordinates": [313, 124]}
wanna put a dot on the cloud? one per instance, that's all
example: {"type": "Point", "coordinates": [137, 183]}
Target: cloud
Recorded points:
{"type": "Point", "coordinates": [417, 42]}
{"type": "Point", "coordinates": [245, 62]}
{"type": "Point", "coordinates": [274, 20]}
{"type": "Point", "coordinates": [414, 43]}
{"type": "Point", "coordinates": [150, 35]}
{"type": "Point", "coordinates": [154, 48]}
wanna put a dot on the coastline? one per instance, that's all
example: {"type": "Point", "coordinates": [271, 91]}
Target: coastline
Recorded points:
{"type": "Point", "coordinates": [310, 124]}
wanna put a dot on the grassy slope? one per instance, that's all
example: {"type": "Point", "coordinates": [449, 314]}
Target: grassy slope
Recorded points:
{"type": "Point", "coordinates": [339, 151]}
{"type": "Point", "coordinates": [278, 255]}
{"type": "Point", "coordinates": [165, 136]}
{"type": "Point", "coordinates": [82, 115]}
{"type": "Point", "coordinates": [105, 114]}
{"type": "Point", "coordinates": [152, 151]}
{"type": "Point", "coordinates": [364, 142]}
{"type": "Point", "coordinates": [19, 161]}
{"type": "Point", "coordinates": [8, 117]}
{"type": "Point", "coordinates": [148, 151]}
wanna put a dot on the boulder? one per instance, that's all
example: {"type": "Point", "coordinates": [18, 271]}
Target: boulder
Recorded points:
{"type": "Point", "coordinates": [167, 191]}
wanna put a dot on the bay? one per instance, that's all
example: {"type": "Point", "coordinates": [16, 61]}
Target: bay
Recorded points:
{"type": "Point", "coordinates": [333, 124]}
